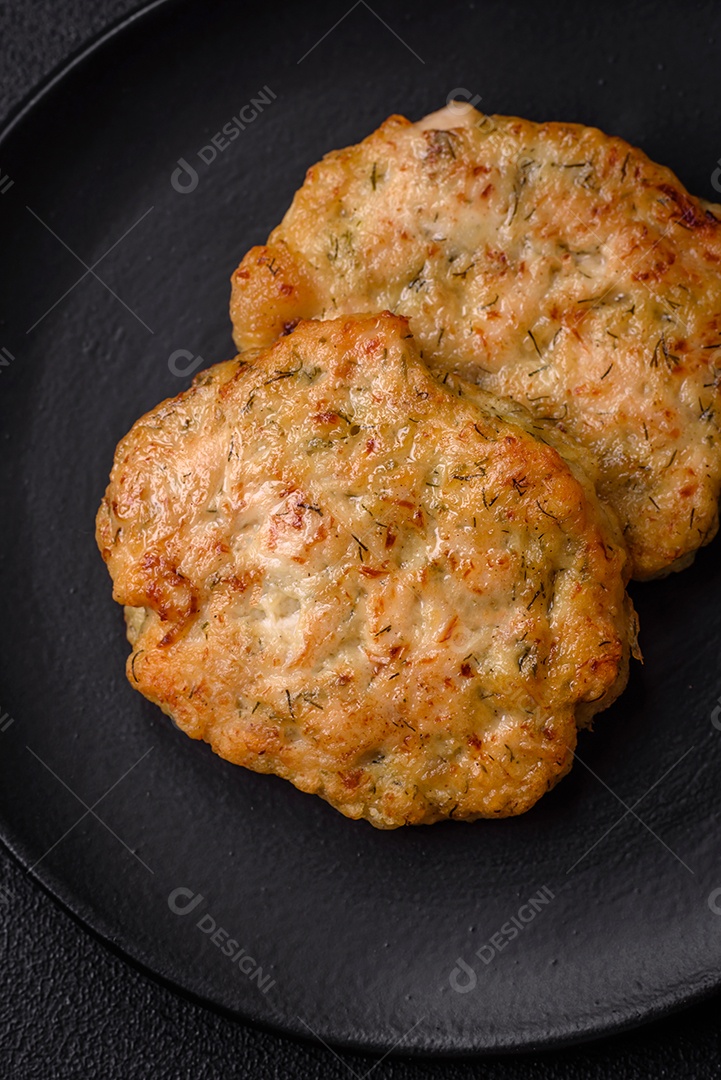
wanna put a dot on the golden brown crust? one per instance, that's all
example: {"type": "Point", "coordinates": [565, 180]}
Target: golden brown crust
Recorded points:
{"type": "Point", "coordinates": [389, 591]}
{"type": "Point", "coordinates": [551, 263]}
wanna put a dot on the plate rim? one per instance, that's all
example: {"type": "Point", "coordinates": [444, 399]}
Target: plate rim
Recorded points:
{"type": "Point", "coordinates": [68, 903]}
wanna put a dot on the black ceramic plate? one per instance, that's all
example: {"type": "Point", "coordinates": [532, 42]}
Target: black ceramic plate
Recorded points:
{"type": "Point", "coordinates": [129, 189]}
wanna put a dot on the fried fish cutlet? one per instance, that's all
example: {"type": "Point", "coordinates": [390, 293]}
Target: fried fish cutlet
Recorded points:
{"type": "Point", "coordinates": [550, 263]}
{"type": "Point", "coordinates": [339, 570]}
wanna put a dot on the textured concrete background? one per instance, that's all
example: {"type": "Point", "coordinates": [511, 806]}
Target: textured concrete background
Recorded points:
{"type": "Point", "coordinates": [70, 1008]}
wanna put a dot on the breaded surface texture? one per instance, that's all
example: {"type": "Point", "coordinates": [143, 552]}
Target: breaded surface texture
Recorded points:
{"type": "Point", "coordinates": [342, 571]}
{"type": "Point", "coordinates": [549, 262]}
